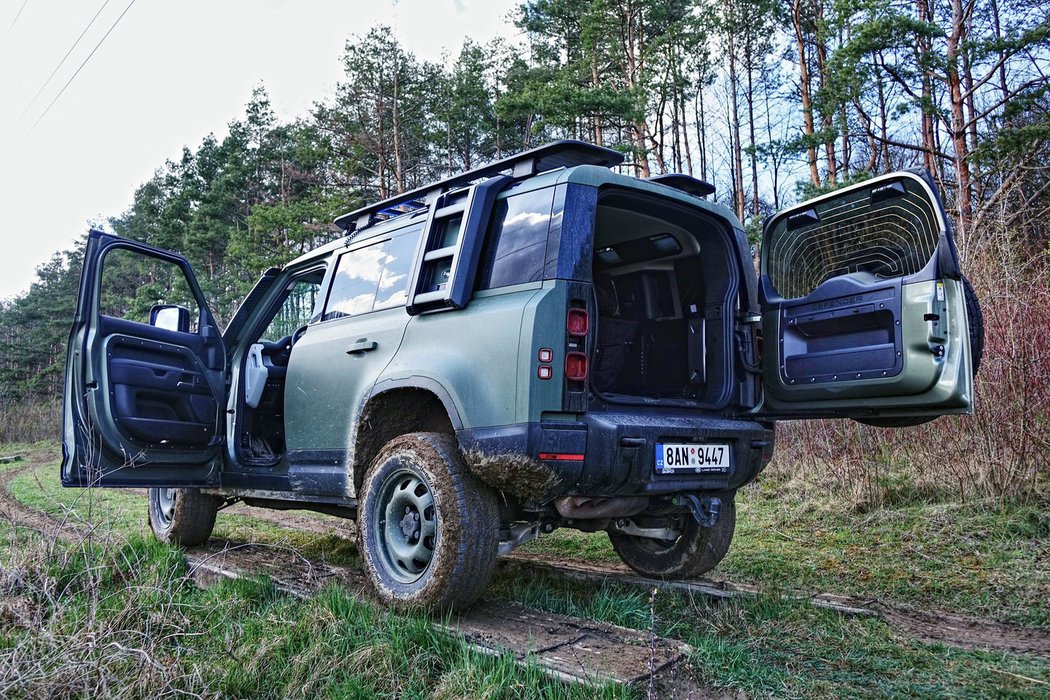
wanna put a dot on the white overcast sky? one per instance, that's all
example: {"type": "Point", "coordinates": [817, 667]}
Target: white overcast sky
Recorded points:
{"type": "Point", "coordinates": [167, 75]}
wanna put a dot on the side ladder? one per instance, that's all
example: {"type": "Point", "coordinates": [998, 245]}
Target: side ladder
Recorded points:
{"type": "Point", "coordinates": [447, 260]}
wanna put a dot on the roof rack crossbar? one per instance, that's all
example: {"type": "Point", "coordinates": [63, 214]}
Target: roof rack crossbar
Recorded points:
{"type": "Point", "coordinates": [685, 183]}
{"type": "Point", "coordinates": [557, 154]}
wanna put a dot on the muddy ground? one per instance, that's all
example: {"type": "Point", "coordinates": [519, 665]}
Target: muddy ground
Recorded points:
{"type": "Point", "coordinates": [571, 648]}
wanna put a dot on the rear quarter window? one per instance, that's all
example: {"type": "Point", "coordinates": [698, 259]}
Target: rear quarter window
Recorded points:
{"type": "Point", "coordinates": [516, 244]}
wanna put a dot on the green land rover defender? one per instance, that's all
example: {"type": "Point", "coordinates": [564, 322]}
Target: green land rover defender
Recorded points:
{"type": "Point", "coordinates": [539, 343]}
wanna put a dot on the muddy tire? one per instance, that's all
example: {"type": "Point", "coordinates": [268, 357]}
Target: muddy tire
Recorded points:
{"type": "Point", "coordinates": [696, 551]}
{"type": "Point", "coordinates": [182, 516]}
{"type": "Point", "coordinates": [429, 530]}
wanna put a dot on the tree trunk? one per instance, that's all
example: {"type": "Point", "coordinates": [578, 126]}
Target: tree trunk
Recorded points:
{"type": "Point", "coordinates": [701, 130]}
{"type": "Point", "coordinates": [399, 166]}
{"type": "Point", "coordinates": [774, 154]}
{"type": "Point", "coordinates": [961, 155]}
{"type": "Point", "coordinates": [823, 74]}
{"type": "Point", "coordinates": [595, 82]}
{"type": "Point", "coordinates": [631, 55]}
{"type": "Point", "coordinates": [805, 91]}
{"type": "Point", "coordinates": [734, 126]}
{"type": "Point", "coordinates": [753, 155]}
{"type": "Point", "coordinates": [685, 133]}
{"type": "Point", "coordinates": [887, 165]}
{"type": "Point", "coordinates": [929, 139]}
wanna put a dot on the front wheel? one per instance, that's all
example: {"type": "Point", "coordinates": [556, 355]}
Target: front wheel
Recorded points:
{"type": "Point", "coordinates": [429, 530]}
{"type": "Point", "coordinates": [696, 551]}
{"type": "Point", "coordinates": [182, 516]}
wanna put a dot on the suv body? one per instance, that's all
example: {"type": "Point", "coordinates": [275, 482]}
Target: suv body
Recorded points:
{"type": "Point", "coordinates": [580, 347]}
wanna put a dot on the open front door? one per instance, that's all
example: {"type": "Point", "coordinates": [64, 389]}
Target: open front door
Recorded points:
{"type": "Point", "coordinates": [864, 308]}
{"type": "Point", "coordinates": [144, 385]}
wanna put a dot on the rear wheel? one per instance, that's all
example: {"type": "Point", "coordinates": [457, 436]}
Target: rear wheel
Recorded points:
{"type": "Point", "coordinates": [429, 530]}
{"type": "Point", "coordinates": [182, 516]}
{"type": "Point", "coordinates": [696, 551]}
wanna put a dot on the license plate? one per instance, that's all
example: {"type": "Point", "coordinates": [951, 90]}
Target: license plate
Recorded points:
{"type": "Point", "coordinates": [705, 458]}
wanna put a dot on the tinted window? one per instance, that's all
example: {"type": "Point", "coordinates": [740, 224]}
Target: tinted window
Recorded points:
{"type": "Point", "coordinates": [883, 229]}
{"type": "Point", "coordinates": [397, 266]}
{"type": "Point", "coordinates": [517, 240]}
{"type": "Point", "coordinates": [355, 282]}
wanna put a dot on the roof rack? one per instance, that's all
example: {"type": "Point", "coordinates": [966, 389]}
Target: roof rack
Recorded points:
{"type": "Point", "coordinates": [685, 183]}
{"type": "Point", "coordinates": [557, 154]}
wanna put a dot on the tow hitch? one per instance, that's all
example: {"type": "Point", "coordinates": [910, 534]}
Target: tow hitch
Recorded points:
{"type": "Point", "coordinates": [705, 509]}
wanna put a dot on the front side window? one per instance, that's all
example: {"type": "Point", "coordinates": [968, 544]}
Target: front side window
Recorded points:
{"type": "Point", "coordinates": [296, 310]}
{"type": "Point", "coordinates": [132, 284]}
{"type": "Point", "coordinates": [517, 240]}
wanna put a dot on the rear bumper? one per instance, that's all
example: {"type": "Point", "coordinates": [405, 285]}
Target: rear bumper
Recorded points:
{"type": "Point", "coordinates": [619, 451]}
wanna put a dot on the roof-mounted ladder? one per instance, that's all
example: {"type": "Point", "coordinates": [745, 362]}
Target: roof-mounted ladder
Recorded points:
{"type": "Point", "coordinates": [557, 154]}
{"type": "Point", "coordinates": [449, 249]}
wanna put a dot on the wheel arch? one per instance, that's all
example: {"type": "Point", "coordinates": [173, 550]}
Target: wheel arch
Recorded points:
{"type": "Point", "coordinates": [396, 407]}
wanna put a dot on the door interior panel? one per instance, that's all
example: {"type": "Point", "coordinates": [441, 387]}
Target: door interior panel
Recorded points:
{"type": "Point", "coordinates": [842, 337]}
{"type": "Point", "coordinates": [158, 392]}
{"type": "Point", "coordinates": [142, 404]}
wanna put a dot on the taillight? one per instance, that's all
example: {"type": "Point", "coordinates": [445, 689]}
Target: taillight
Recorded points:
{"type": "Point", "coordinates": [577, 322]}
{"type": "Point", "coordinates": [575, 366]}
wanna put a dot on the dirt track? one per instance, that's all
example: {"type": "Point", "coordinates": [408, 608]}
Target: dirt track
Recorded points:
{"type": "Point", "coordinates": [299, 575]}
{"type": "Point", "coordinates": [568, 648]}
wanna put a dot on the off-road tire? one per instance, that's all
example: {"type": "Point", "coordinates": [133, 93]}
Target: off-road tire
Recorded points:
{"type": "Point", "coordinates": [465, 524]}
{"type": "Point", "coordinates": [188, 521]}
{"type": "Point", "coordinates": [976, 318]}
{"type": "Point", "coordinates": [696, 551]}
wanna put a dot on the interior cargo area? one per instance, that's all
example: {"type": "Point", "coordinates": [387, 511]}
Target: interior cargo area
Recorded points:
{"type": "Point", "coordinates": [665, 284]}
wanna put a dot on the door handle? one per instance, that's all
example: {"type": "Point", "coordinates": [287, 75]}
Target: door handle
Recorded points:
{"type": "Point", "coordinates": [359, 346]}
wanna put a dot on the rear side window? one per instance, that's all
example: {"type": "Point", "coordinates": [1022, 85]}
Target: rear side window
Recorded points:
{"type": "Point", "coordinates": [355, 282]}
{"type": "Point", "coordinates": [374, 277]}
{"type": "Point", "coordinates": [517, 242]}
{"type": "Point", "coordinates": [397, 266]}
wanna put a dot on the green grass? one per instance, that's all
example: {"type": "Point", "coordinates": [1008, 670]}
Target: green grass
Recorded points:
{"type": "Point", "coordinates": [122, 620]}
{"type": "Point", "coordinates": [125, 512]}
{"type": "Point", "coordinates": [26, 452]}
{"type": "Point", "coordinates": [967, 558]}
{"type": "Point", "coordinates": [958, 557]}
{"type": "Point", "coordinates": [771, 647]}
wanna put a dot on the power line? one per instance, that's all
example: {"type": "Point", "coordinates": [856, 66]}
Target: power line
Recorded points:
{"type": "Point", "coordinates": [19, 14]}
{"type": "Point", "coordinates": [72, 77]}
{"type": "Point", "coordinates": [63, 61]}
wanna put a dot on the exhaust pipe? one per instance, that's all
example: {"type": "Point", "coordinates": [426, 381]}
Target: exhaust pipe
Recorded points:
{"type": "Point", "coordinates": [586, 508]}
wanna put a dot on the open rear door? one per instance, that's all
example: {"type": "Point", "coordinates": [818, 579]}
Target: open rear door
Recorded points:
{"type": "Point", "coordinates": [143, 402]}
{"type": "Point", "coordinates": [863, 307]}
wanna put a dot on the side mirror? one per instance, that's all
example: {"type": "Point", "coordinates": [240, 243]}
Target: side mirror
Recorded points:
{"type": "Point", "coordinates": [170, 317]}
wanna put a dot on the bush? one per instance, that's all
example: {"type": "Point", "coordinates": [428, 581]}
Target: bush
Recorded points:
{"type": "Point", "coordinates": [30, 419]}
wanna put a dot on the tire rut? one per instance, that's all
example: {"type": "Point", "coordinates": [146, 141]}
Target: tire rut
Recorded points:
{"type": "Point", "coordinates": [570, 649]}
{"type": "Point", "coordinates": [925, 625]}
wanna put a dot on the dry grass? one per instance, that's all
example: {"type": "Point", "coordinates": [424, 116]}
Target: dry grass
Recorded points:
{"type": "Point", "coordinates": [30, 420]}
